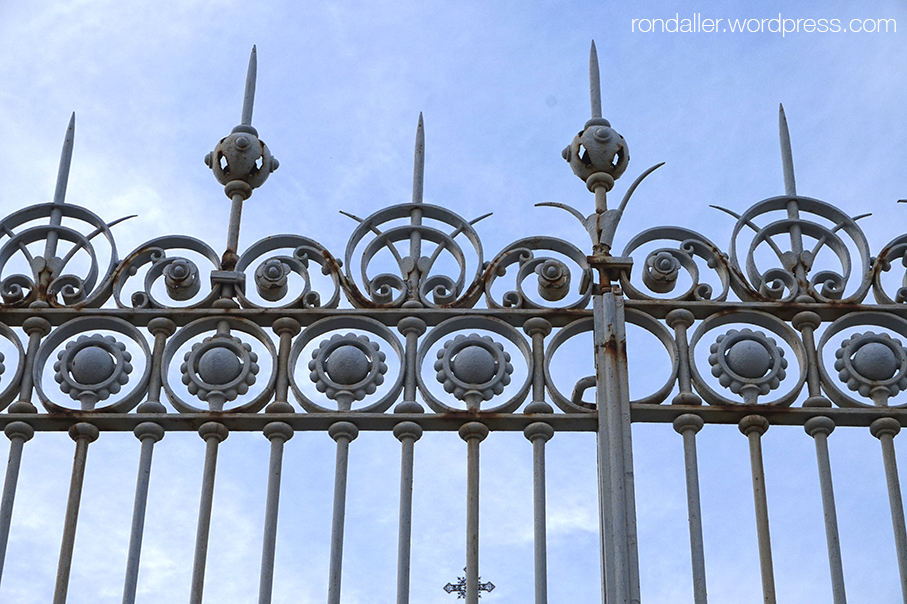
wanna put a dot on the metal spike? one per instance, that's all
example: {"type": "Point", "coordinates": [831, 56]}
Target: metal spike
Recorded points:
{"type": "Point", "coordinates": [249, 98]}
{"type": "Point", "coordinates": [595, 87]}
{"type": "Point", "coordinates": [419, 162]}
{"type": "Point", "coordinates": [787, 157]}
{"type": "Point", "coordinates": [65, 161]}
{"type": "Point", "coordinates": [56, 215]}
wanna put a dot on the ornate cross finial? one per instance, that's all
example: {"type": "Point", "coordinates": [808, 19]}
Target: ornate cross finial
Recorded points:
{"type": "Point", "coordinates": [460, 587]}
{"type": "Point", "coordinates": [241, 162]}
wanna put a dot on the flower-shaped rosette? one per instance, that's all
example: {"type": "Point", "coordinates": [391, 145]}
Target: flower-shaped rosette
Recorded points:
{"type": "Point", "coordinates": [473, 368]}
{"type": "Point", "coordinates": [748, 363]}
{"type": "Point", "coordinates": [218, 369]}
{"type": "Point", "coordinates": [91, 368]}
{"type": "Point", "coordinates": [875, 365]}
{"type": "Point", "coordinates": [347, 368]}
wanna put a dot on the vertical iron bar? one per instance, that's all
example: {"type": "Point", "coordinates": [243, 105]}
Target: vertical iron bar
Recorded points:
{"type": "Point", "coordinates": [538, 434]}
{"type": "Point", "coordinates": [213, 434]}
{"type": "Point", "coordinates": [83, 434]}
{"type": "Point", "coordinates": [18, 433]}
{"type": "Point", "coordinates": [343, 434]}
{"type": "Point", "coordinates": [411, 328]}
{"type": "Point", "coordinates": [148, 433]}
{"type": "Point", "coordinates": [473, 433]}
{"type": "Point", "coordinates": [687, 425]}
{"type": "Point", "coordinates": [680, 320]}
{"type": "Point", "coordinates": [819, 428]}
{"type": "Point", "coordinates": [754, 426]}
{"type": "Point", "coordinates": [278, 433]}
{"type": "Point", "coordinates": [885, 429]}
{"type": "Point", "coordinates": [161, 328]}
{"type": "Point", "coordinates": [407, 433]}
{"type": "Point", "coordinates": [36, 328]}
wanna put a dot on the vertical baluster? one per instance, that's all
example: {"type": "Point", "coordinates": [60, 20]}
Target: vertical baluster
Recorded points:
{"type": "Point", "coordinates": [819, 428]}
{"type": "Point", "coordinates": [407, 433]}
{"type": "Point", "coordinates": [148, 433]}
{"type": "Point", "coordinates": [680, 320]}
{"type": "Point", "coordinates": [278, 433]}
{"type": "Point", "coordinates": [83, 434]}
{"type": "Point", "coordinates": [687, 425]}
{"type": "Point", "coordinates": [343, 433]}
{"type": "Point", "coordinates": [538, 434]}
{"type": "Point", "coordinates": [213, 434]}
{"type": "Point", "coordinates": [473, 433]}
{"type": "Point", "coordinates": [19, 432]}
{"type": "Point", "coordinates": [885, 429]}
{"type": "Point", "coordinates": [754, 426]}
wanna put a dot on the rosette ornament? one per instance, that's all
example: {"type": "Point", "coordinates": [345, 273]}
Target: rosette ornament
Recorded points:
{"type": "Point", "coordinates": [346, 368]}
{"type": "Point", "coordinates": [875, 365]}
{"type": "Point", "coordinates": [92, 368]}
{"type": "Point", "coordinates": [473, 368]}
{"type": "Point", "coordinates": [218, 369]}
{"type": "Point", "coordinates": [748, 363]}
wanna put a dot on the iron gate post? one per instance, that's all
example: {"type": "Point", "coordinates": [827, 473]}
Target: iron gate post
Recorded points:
{"type": "Point", "coordinates": [617, 500]}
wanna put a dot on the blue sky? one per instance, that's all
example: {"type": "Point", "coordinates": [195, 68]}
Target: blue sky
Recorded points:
{"type": "Point", "coordinates": [503, 88]}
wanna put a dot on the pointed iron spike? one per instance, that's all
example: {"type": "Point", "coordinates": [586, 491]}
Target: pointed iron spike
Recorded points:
{"type": "Point", "coordinates": [595, 86]}
{"type": "Point", "coordinates": [249, 98]}
{"type": "Point", "coordinates": [787, 157]}
{"type": "Point", "coordinates": [419, 162]}
{"type": "Point", "coordinates": [65, 161]}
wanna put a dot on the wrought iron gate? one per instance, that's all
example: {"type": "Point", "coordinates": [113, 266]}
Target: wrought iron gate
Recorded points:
{"type": "Point", "coordinates": [285, 337]}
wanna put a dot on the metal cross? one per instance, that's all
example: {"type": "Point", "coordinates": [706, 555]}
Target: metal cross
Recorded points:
{"type": "Point", "coordinates": [460, 587]}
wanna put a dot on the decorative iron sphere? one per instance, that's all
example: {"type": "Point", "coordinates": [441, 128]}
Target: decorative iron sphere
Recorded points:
{"type": "Point", "coordinates": [598, 148]}
{"type": "Point", "coordinates": [749, 359]}
{"type": "Point", "coordinates": [242, 156]}
{"type": "Point", "coordinates": [219, 366]}
{"type": "Point", "coordinates": [347, 365]}
{"type": "Point", "coordinates": [875, 361]}
{"type": "Point", "coordinates": [474, 365]}
{"type": "Point", "coordinates": [92, 365]}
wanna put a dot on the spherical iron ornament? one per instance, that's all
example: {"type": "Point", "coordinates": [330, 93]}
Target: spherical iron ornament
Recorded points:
{"type": "Point", "coordinates": [870, 362]}
{"type": "Point", "coordinates": [347, 367]}
{"type": "Point", "coordinates": [221, 364]}
{"type": "Point", "coordinates": [242, 156]}
{"type": "Point", "coordinates": [95, 366]}
{"type": "Point", "coordinates": [598, 148]}
{"type": "Point", "coordinates": [473, 365]}
{"type": "Point", "coordinates": [445, 342]}
{"type": "Point", "coordinates": [747, 362]}
{"type": "Point", "coordinates": [91, 367]}
{"type": "Point", "coordinates": [222, 367]}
